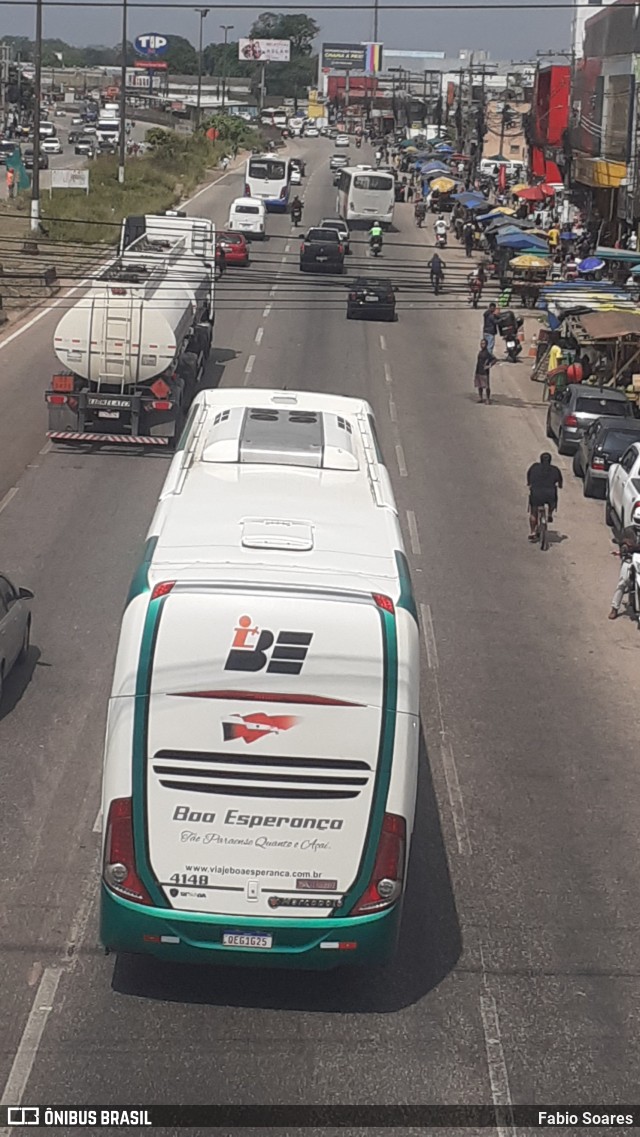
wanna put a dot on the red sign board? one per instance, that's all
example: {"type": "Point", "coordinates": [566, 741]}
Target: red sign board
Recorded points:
{"type": "Point", "coordinates": [146, 66]}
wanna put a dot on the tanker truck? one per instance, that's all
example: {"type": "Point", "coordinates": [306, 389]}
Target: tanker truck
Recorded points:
{"type": "Point", "coordinates": [134, 347]}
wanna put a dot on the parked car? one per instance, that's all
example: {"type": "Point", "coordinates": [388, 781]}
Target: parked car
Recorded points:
{"type": "Point", "coordinates": [6, 150]}
{"type": "Point", "coordinates": [574, 408]}
{"type": "Point", "coordinates": [51, 145]}
{"type": "Point", "coordinates": [322, 249]}
{"type": "Point", "coordinates": [236, 248]}
{"type": "Point", "coordinates": [601, 446]}
{"type": "Point", "coordinates": [369, 296]}
{"type": "Point", "coordinates": [623, 489]}
{"type": "Point", "coordinates": [28, 159]}
{"type": "Point", "coordinates": [343, 229]}
{"type": "Point", "coordinates": [15, 626]}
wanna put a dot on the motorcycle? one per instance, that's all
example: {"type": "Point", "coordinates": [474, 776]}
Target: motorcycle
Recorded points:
{"type": "Point", "coordinates": [419, 216]}
{"type": "Point", "coordinates": [514, 347]}
{"type": "Point", "coordinates": [296, 216]}
{"type": "Point", "coordinates": [475, 291]}
{"type": "Point", "coordinates": [376, 246]}
{"type": "Point", "coordinates": [358, 143]}
{"type": "Point", "coordinates": [441, 240]}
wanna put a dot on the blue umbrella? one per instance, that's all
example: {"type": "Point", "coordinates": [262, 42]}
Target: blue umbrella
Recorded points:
{"type": "Point", "coordinates": [520, 240]}
{"type": "Point", "coordinates": [442, 147]}
{"type": "Point", "coordinates": [568, 236]}
{"type": "Point", "coordinates": [590, 264]}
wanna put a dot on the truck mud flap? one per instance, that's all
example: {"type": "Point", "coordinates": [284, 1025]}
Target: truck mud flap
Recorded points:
{"type": "Point", "coordinates": [107, 439]}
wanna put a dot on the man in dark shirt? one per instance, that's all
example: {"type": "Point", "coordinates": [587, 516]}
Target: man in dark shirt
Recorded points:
{"type": "Point", "coordinates": [490, 325]}
{"type": "Point", "coordinates": [544, 481]}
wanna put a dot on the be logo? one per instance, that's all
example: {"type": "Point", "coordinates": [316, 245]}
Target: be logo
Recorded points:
{"type": "Point", "coordinates": [254, 649]}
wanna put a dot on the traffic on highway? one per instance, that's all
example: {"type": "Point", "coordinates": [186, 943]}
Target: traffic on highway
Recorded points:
{"type": "Point", "coordinates": [318, 781]}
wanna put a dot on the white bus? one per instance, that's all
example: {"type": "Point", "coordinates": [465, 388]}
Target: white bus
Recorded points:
{"type": "Point", "coordinates": [268, 176]}
{"type": "Point", "coordinates": [365, 194]}
{"type": "Point", "coordinates": [261, 748]}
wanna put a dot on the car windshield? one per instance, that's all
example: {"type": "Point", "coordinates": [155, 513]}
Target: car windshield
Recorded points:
{"type": "Point", "coordinates": [598, 406]}
{"type": "Point", "coordinates": [616, 441]}
{"type": "Point", "coordinates": [247, 208]}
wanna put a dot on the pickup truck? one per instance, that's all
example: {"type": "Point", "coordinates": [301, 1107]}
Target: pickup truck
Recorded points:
{"type": "Point", "coordinates": [322, 249]}
{"type": "Point", "coordinates": [623, 489]}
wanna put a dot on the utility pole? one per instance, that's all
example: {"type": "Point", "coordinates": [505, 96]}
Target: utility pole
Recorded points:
{"type": "Point", "coordinates": [122, 141]}
{"type": "Point", "coordinates": [35, 175]}
{"type": "Point", "coordinates": [204, 12]}
{"type": "Point", "coordinates": [226, 28]}
{"type": "Point", "coordinates": [375, 20]}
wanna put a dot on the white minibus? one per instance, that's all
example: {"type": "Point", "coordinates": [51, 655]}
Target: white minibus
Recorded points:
{"type": "Point", "coordinates": [365, 194]}
{"type": "Point", "coordinates": [261, 750]}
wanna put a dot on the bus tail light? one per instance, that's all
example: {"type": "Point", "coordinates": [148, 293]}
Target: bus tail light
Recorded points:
{"type": "Point", "coordinates": [247, 190]}
{"type": "Point", "coordinates": [119, 866]}
{"type": "Point", "coordinates": [385, 885]}
{"type": "Point", "coordinates": [284, 191]}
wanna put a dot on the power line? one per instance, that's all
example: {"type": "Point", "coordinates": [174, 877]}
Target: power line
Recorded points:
{"type": "Point", "coordinates": [440, 6]}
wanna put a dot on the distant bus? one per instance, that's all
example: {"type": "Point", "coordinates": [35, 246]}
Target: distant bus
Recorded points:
{"type": "Point", "coordinates": [267, 177]}
{"type": "Point", "coordinates": [365, 194]}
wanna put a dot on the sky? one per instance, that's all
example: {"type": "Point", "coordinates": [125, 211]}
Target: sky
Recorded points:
{"type": "Point", "coordinates": [514, 33]}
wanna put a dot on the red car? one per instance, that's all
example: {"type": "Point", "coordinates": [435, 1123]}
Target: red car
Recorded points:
{"type": "Point", "coordinates": [236, 249]}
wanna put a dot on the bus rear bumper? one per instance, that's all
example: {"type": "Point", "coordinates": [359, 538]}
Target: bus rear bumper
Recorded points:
{"type": "Point", "coordinates": [297, 944]}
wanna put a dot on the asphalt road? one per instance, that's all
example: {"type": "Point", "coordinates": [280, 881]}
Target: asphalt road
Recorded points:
{"type": "Point", "coordinates": [517, 977]}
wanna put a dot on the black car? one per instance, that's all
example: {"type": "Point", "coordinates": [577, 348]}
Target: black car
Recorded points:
{"type": "Point", "coordinates": [371, 296]}
{"type": "Point", "coordinates": [28, 159]}
{"type": "Point", "coordinates": [74, 136]}
{"type": "Point", "coordinates": [85, 145]}
{"type": "Point", "coordinates": [299, 165]}
{"type": "Point", "coordinates": [322, 249]}
{"type": "Point", "coordinates": [602, 444]}
{"type": "Point", "coordinates": [107, 147]}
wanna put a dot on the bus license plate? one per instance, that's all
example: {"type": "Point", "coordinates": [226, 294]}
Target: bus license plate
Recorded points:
{"type": "Point", "coordinates": [247, 940]}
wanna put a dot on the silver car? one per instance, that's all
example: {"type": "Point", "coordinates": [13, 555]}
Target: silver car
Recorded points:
{"type": "Point", "coordinates": [15, 626]}
{"type": "Point", "coordinates": [575, 407]}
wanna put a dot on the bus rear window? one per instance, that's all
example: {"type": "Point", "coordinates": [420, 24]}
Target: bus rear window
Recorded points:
{"type": "Point", "coordinates": [272, 171]}
{"type": "Point", "coordinates": [373, 182]}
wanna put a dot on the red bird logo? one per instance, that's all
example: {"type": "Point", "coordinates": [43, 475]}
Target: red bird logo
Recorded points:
{"type": "Point", "coordinates": [250, 728]}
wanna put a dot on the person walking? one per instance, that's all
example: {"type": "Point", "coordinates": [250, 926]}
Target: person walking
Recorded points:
{"type": "Point", "coordinates": [628, 546]}
{"type": "Point", "coordinates": [490, 325]}
{"type": "Point", "coordinates": [485, 361]}
{"type": "Point", "coordinates": [11, 181]}
{"type": "Point", "coordinates": [467, 233]}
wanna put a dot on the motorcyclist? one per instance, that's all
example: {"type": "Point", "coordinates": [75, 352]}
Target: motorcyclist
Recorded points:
{"type": "Point", "coordinates": [543, 481]}
{"type": "Point", "coordinates": [375, 234]}
{"type": "Point", "coordinates": [509, 326]}
{"type": "Point", "coordinates": [296, 210]}
{"type": "Point", "coordinates": [440, 228]}
{"type": "Point", "coordinates": [436, 271]}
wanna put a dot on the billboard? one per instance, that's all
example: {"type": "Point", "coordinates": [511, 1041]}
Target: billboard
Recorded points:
{"type": "Point", "coordinates": [265, 50]}
{"type": "Point", "coordinates": [70, 179]}
{"type": "Point", "coordinates": [344, 56]}
{"type": "Point", "coordinates": [150, 45]}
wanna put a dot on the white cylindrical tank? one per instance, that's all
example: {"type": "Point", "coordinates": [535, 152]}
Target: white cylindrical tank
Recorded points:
{"type": "Point", "coordinates": [130, 326]}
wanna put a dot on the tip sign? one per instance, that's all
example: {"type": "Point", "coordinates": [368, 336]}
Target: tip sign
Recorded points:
{"type": "Point", "coordinates": [151, 44]}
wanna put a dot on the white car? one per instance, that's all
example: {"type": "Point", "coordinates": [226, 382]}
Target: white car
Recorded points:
{"type": "Point", "coordinates": [342, 140]}
{"type": "Point", "coordinates": [77, 121]}
{"type": "Point", "coordinates": [312, 132]}
{"type": "Point", "coordinates": [248, 215]}
{"type": "Point", "coordinates": [296, 177]}
{"type": "Point", "coordinates": [51, 145]}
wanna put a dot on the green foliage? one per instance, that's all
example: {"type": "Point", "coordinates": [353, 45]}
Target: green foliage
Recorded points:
{"type": "Point", "coordinates": [181, 56]}
{"type": "Point", "coordinates": [230, 129]}
{"type": "Point", "coordinates": [154, 183]}
{"type": "Point", "coordinates": [291, 80]}
{"type": "Point", "coordinates": [297, 27]}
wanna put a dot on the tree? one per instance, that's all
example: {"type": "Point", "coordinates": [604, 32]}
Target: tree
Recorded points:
{"type": "Point", "coordinates": [291, 80]}
{"type": "Point", "coordinates": [181, 56]}
{"type": "Point", "coordinates": [298, 28]}
{"type": "Point", "coordinates": [222, 59]}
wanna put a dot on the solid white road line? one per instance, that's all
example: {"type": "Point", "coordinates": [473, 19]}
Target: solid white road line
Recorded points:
{"type": "Point", "coordinates": [414, 536]}
{"type": "Point", "coordinates": [393, 414]}
{"type": "Point", "coordinates": [31, 1039]}
{"type": "Point", "coordinates": [9, 496]}
{"type": "Point", "coordinates": [47, 448]}
{"type": "Point", "coordinates": [402, 465]}
{"type": "Point", "coordinates": [383, 342]}
{"type": "Point", "coordinates": [496, 1062]}
{"type": "Point", "coordinates": [97, 825]}
{"type": "Point", "coordinates": [248, 368]}
{"type": "Point", "coordinates": [259, 335]}
{"type": "Point", "coordinates": [387, 373]}
{"type": "Point", "coordinates": [429, 637]}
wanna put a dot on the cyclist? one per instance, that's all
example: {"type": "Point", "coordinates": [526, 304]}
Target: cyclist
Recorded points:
{"type": "Point", "coordinates": [543, 481]}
